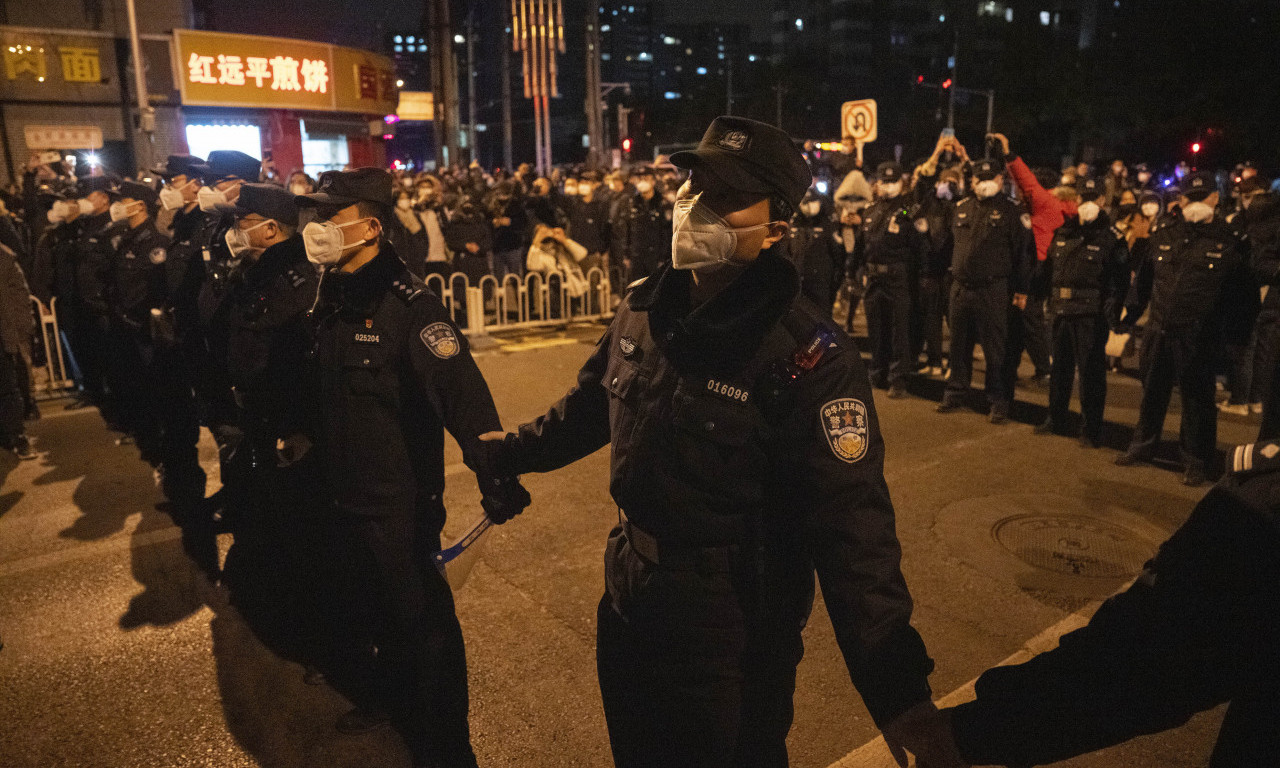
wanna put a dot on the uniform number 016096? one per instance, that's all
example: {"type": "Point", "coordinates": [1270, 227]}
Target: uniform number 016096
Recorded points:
{"type": "Point", "coordinates": [731, 392]}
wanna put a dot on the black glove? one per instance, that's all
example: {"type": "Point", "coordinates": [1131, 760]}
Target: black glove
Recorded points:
{"type": "Point", "coordinates": [503, 498]}
{"type": "Point", "coordinates": [493, 458]}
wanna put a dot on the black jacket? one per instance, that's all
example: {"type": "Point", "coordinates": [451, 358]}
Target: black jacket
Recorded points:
{"type": "Point", "coordinates": [643, 234]}
{"type": "Point", "coordinates": [137, 282]}
{"type": "Point", "coordinates": [99, 237]}
{"type": "Point", "coordinates": [889, 237]}
{"type": "Point", "coordinates": [589, 223]}
{"type": "Point", "coordinates": [713, 444]}
{"type": "Point", "coordinates": [1196, 278]}
{"type": "Point", "coordinates": [394, 372]}
{"type": "Point", "coordinates": [811, 245]}
{"type": "Point", "coordinates": [1086, 270]}
{"type": "Point", "coordinates": [991, 241]}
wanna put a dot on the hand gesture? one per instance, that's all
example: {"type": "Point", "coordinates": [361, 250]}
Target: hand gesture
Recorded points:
{"type": "Point", "coordinates": [926, 733]}
{"type": "Point", "coordinates": [1004, 141]}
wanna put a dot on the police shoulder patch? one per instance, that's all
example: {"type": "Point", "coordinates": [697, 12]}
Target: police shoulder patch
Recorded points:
{"type": "Point", "coordinates": [295, 279]}
{"type": "Point", "coordinates": [844, 422]}
{"type": "Point", "coordinates": [441, 340]}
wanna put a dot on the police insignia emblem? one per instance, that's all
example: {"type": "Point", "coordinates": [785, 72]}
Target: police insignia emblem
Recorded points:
{"type": "Point", "coordinates": [844, 422]}
{"type": "Point", "coordinates": [441, 340]}
{"type": "Point", "coordinates": [627, 345]}
{"type": "Point", "coordinates": [157, 256]}
{"type": "Point", "coordinates": [734, 141]}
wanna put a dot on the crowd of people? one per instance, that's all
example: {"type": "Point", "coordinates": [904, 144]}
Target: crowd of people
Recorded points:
{"type": "Point", "coordinates": [290, 319]}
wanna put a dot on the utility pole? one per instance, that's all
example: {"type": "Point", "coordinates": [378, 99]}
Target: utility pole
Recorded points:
{"type": "Point", "coordinates": [506, 100]}
{"type": "Point", "coordinates": [594, 102]}
{"type": "Point", "coordinates": [444, 82]}
{"type": "Point", "coordinates": [471, 84]}
{"type": "Point", "coordinates": [146, 113]}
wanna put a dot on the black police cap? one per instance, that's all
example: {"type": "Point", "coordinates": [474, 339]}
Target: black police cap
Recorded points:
{"type": "Point", "coordinates": [987, 169]}
{"type": "Point", "coordinates": [1199, 185]}
{"type": "Point", "coordinates": [1090, 189]}
{"type": "Point", "coordinates": [106, 184]}
{"type": "Point", "coordinates": [344, 188]}
{"type": "Point", "coordinates": [135, 190]}
{"type": "Point", "coordinates": [182, 165]}
{"type": "Point", "coordinates": [751, 156]}
{"type": "Point", "coordinates": [268, 201]}
{"type": "Point", "coordinates": [229, 163]}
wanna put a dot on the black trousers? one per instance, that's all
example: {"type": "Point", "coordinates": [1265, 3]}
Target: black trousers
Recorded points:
{"type": "Point", "coordinates": [1079, 344]}
{"type": "Point", "coordinates": [1184, 357]}
{"type": "Point", "coordinates": [11, 401]}
{"type": "Point", "coordinates": [978, 315]}
{"type": "Point", "coordinates": [1199, 628]}
{"type": "Point", "coordinates": [1029, 332]}
{"type": "Point", "coordinates": [691, 675]}
{"type": "Point", "coordinates": [889, 328]}
{"type": "Point", "coordinates": [393, 599]}
{"type": "Point", "coordinates": [931, 309]}
{"type": "Point", "coordinates": [134, 387]}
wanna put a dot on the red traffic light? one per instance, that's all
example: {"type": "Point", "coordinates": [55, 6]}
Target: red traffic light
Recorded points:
{"type": "Point", "coordinates": [1195, 148]}
{"type": "Point", "coordinates": [946, 83]}
{"type": "Point", "coordinates": [626, 145]}
{"type": "Point", "coordinates": [919, 79]}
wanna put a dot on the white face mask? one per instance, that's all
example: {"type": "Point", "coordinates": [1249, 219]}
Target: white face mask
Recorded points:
{"type": "Point", "coordinates": [171, 199]}
{"type": "Point", "coordinates": [1066, 181]}
{"type": "Point", "coordinates": [811, 208]}
{"type": "Point", "coordinates": [210, 199]}
{"type": "Point", "coordinates": [298, 189]}
{"type": "Point", "coordinates": [60, 212]}
{"type": "Point", "coordinates": [86, 206]}
{"type": "Point", "coordinates": [407, 183]}
{"type": "Point", "coordinates": [985, 189]}
{"type": "Point", "coordinates": [943, 191]}
{"type": "Point", "coordinates": [891, 190]}
{"type": "Point", "coordinates": [1143, 177]}
{"type": "Point", "coordinates": [700, 239]}
{"type": "Point", "coordinates": [238, 240]}
{"type": "Point", "coordinates": [1150, 210]}
{"type": "Point", "coordinates": [404, 203]}
{"type": "Point", "coordinates": [644, 187]}
{"type": "Point", "coordinates": [1088, 212]}
{"type": "Point", "coordinates": [120, 211]}
{"type": "Point", "coordinates": [324, 241]}
{"type": "Point", "coordinates": [1197, 213]}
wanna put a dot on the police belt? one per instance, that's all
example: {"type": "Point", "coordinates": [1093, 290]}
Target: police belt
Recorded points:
{"type": "Point", "coordinates": [646, 545]}
{"type": "Point", "coordinates": [879, 270]}
{"type": "Point", "coordinates": [1063, 293]}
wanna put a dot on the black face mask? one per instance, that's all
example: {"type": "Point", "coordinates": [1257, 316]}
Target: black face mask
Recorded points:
{"type": "Point", "coordinates": [1126, 210]}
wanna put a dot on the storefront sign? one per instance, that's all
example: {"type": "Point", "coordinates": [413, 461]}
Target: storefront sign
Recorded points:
{"type": "Point", "coordinates": [225, 70]}
{"type": "Point", "coordinates": [78, 67]}
{"type": "Point", "coordinates": [416, 105]}
{"type": "Point", "coordinates": [63, 136]}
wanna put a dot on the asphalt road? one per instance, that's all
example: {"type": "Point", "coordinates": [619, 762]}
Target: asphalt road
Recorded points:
{"type": "Point", "coordinates": [117, 655]}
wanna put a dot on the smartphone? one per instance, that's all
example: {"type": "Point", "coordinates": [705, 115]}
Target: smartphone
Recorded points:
{"type": "Point", "coordinates": [948, 133]}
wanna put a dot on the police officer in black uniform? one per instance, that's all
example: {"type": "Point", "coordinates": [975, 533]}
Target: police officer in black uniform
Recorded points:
{"type": "Point", "coordinates": [1088, 280]}
{"type": "Point", "coordinates": [812, 246]}
{"type": "Point", "coordinates": [746, 455]}
{"type": "Point", "coordinates": [271, 569]}
{"type": "Point", "coordinates": [1199, 628]}
{"type": "Point", "coordinates": [892, 251]}
{"type": "Point", "coordinates": [92, 263]}
{"type": "Point", "coordinates": [1195, 276]}
{"type": "Point", "coordinates": [136, 287]}
{"type": "Point", "coordinates": [642, 233]}
{"type": "Point", "coordinates": [991, 241]}
{"type": "Point", "coordinates": [394, 372]}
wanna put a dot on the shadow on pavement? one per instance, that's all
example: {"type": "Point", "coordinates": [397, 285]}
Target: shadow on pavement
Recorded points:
{"type": "Point", "coordinates": [8, 500]}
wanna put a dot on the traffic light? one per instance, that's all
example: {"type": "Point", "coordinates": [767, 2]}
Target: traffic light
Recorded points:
{"type": "Point", "coordinates": [919, 79]}
{"type": "Point", "coordinates": [946, 84]}
{"type": "Point", "coordinates": [1195, 148]}
{"type": "Point", "coordinates": [626, 145]}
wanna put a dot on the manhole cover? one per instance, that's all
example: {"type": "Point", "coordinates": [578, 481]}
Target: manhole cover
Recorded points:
{"type": "Point", "coordinates": [1075, 545]}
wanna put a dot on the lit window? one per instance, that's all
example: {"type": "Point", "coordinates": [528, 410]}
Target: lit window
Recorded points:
{"type": "Point", "coordinates": [942, 18]}
{"type": "Point", "coordinates": [670, 95]}
{"type": "Point", "coordinates": [207, 138]}
{"type": "Point", "coordinates": [411, 39]}
{"type": "Point", "coordinates": [399, 38]}
{"type": "Point", "coordinates": [605, 57]}
{"type": "Point", "coordinates": [1008, 14]}
{"type": "Point", "coordinates": [605, 27]}
{"type": "Point", "coordinates": [679, 68]}
{"type": "Point", "coordinates": [800, 25]}
{"type": "Point", "coordinates": [688, 51]}
{"type": "Point", "coordinates": [1045, 18]}
{"type": "Point", "coordinates": [459, 39]}
{"type": "Point", "coordinates": [721, 56]}
{"type": "Point", "coordinates": [751, 58]}
{"type": "Point", "coordinates": [702, 70]}
{"type": "Point", "coordinates": [669, 40]}
{"type": "Point", "coordinates": [399, 49]}
{"type": "Point", "coordinates": [645, 57]}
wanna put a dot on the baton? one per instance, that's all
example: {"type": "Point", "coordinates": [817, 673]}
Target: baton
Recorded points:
{"type": "Point", "coordinates": [456, 560]}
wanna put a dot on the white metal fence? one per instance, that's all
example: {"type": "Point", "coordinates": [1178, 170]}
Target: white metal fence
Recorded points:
{"type": "Point", "coordinates": [512, 303]}
{"type": "Point", "coordinates": [58, 377]}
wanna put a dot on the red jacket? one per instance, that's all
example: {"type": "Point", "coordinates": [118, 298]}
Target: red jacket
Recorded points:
{"type": "Point", "coordinates": [1047, 211]}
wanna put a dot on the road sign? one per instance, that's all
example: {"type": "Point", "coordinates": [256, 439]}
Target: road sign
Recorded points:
{"type": "Point", "coordinates": [858, 120]}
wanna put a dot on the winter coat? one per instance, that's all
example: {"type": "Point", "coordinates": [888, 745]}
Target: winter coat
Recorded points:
{"type": "Point", "coordinates": [17, 321]}
{"type": "Point", "coordinates": [1047, 212]}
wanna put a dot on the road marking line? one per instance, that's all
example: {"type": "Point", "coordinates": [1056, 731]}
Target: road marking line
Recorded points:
{"type": "Point", "coordinates": [128, 539]}
{"type": "Point", "coordinates": [875, 754]}
{"type": "Point", "coordinates": [525, 346]}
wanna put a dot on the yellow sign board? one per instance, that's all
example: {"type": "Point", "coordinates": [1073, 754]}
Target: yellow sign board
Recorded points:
{"type": "Point", "coordinates": [416, 105]}
{"type": "Point", "coordinates": [858, 120]}
{"type": "Point", "coordinates": [217, 69]}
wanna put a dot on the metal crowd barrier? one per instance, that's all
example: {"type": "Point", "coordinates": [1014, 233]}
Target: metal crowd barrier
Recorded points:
{"type": "Point", "coordinates": [537, 301]}
{"type": "Point", "coordinates": [57, 359]}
